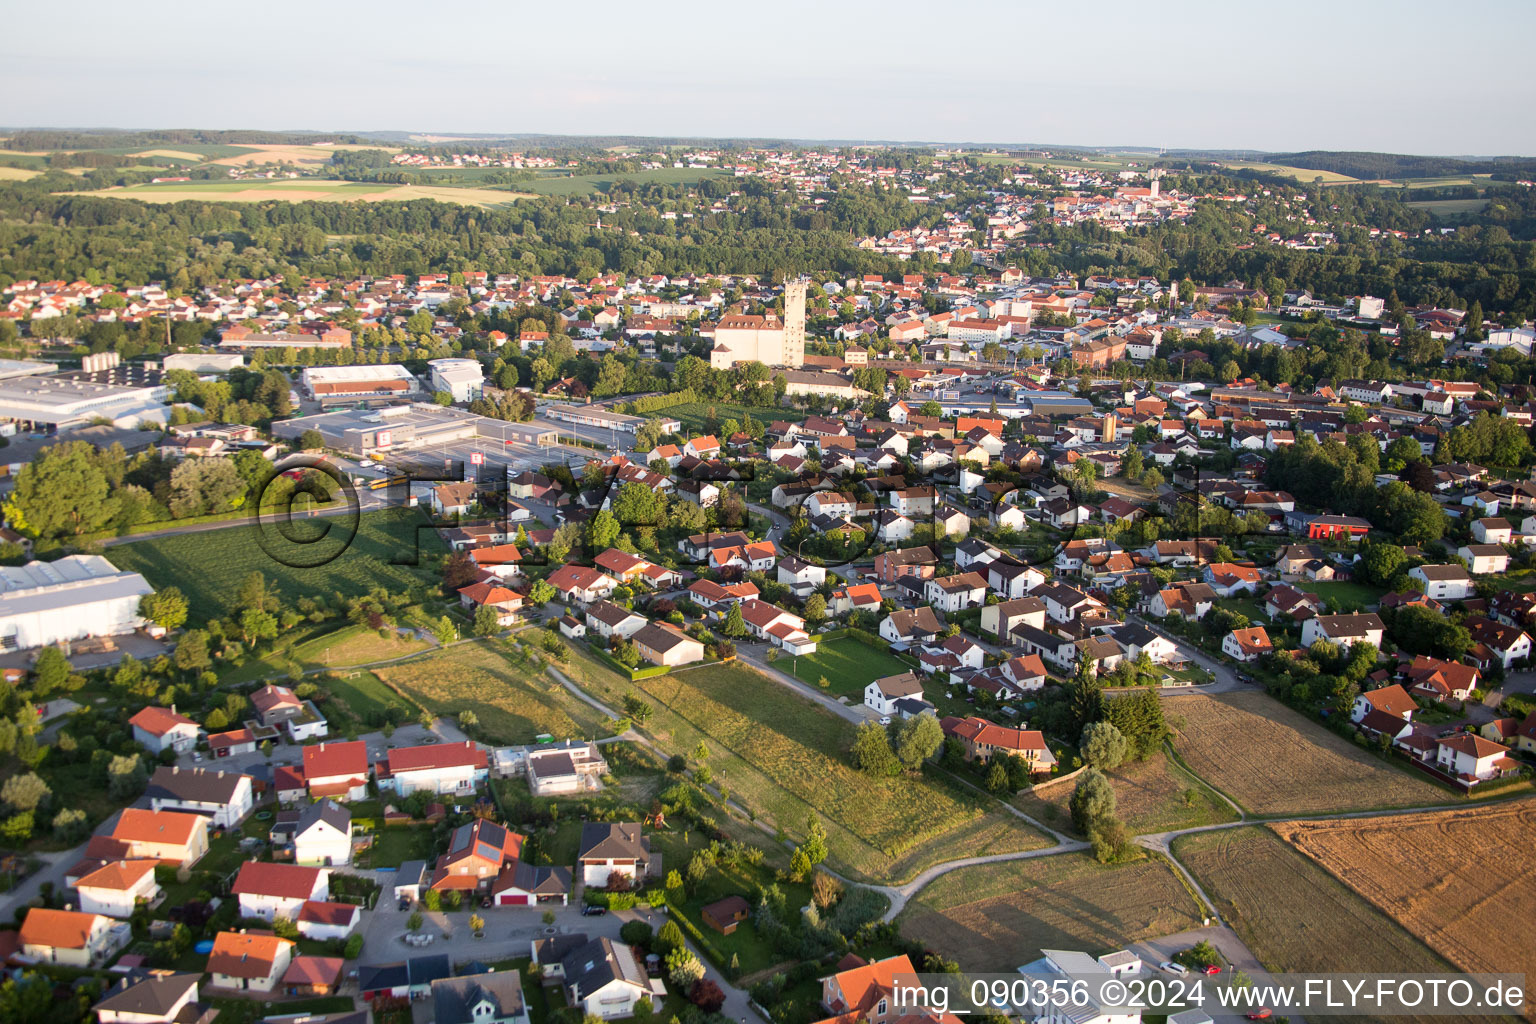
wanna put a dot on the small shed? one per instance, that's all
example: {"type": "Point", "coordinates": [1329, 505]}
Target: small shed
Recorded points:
{"type": "Point", "coordinates": [724, 915]}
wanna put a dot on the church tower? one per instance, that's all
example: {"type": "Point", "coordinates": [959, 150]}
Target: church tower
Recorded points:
{"type": "Point", "coordinates": [794, 323]}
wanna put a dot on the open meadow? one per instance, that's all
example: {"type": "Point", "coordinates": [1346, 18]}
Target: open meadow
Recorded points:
{"type": "Point", "coordinates": [1154, 795]}
{"type": "Point", "coordinates": [847, 664]}
{"type": "Point", "coordinates": [994, 917]}
{"type": "Point", "coordinates": [513, 702]}
{"type": "Point", "coordinates": [1273, 761]}
{"type": "Point", "coordinates": [209, 567]}
{"type": "Point", "coordinates": [589, 184]}
{"type": "Point", "coordinates": [1459, 879]}
{"type": "Point", "coordinates": [785, 758]}
{"type": "Point", "coordinates": [299, 190]}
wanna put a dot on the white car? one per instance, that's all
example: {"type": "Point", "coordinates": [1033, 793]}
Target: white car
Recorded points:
{"type": "Point", "coordinates": [1173, 968]}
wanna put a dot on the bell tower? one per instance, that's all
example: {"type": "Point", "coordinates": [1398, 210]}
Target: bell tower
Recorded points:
{"type": "Point", "coordinates": [794, 322]}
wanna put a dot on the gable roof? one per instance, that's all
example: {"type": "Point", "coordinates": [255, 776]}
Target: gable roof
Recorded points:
{"type": "Point", "coordinates": [245, 954]}
{"type": "Point", "coordinates": [59, 929]}
{"type": "Point", "coordinates": [442, 755]}
{"type": "Point", "coordinates": [136, 825]}
{"type": "Point", "coordinates": [349, 758]}
{"type": "Point", "coordinates": [284, 881]}
{"type": "Point", "coordinates": [608, 840]}
{"type": "Point", "coordinates": [159, 721]}
{"type": "Point", "coordinates": [117, 875]}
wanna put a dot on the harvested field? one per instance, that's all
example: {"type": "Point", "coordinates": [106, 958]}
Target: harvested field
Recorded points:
{"type": "Point", "coordinates": [786, 758]}
{"type": "Point", "coordinates": [1273, 761]}
{"type": "Point", "coordinates": [513, 703]}
{"type": "Point", "coordinates": [260, 154]}
{"type": "Point", "coordinates": [1274, 898]}
{"type": "Point", "coordinates": [1154, 795]}
{"type": "Point", "coordinates": [171, 154]}
{"type": "Point", "coordinates": [994, 917]}
{"type": "Point", "coordinates": [1460, 879]}
{"type": "Point", "coordinates": [1295, 917]}
{"type": "Point", "coordinates": [17, 173]}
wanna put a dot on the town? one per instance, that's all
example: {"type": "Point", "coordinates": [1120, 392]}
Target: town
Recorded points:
{"type": "Point", "coordinates": [497, 643]}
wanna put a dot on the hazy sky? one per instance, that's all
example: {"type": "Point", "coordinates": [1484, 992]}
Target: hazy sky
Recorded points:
{"type": "Point", "coordinates": [1403, 76]}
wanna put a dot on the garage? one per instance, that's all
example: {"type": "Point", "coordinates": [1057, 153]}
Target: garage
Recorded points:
{"type": "Point", "coordinates": [512, 899]}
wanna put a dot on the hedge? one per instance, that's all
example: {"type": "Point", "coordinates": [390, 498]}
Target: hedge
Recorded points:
{"type": "Point", "coordinates": [655, 403]}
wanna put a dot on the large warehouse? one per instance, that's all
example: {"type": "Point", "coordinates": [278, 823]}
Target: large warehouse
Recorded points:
{"type": "Point", "coordinates": [75, 399]}
{"type": "Point", "coordinates": [75, 597]}
{"type": "Point", "coordinates": [399, 427]}
{"type": "Point", "coordinates": [330, 385]}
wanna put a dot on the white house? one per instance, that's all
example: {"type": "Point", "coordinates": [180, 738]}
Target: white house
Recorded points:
{"type": "Point", "coordinates": [270, 890]}
{"type": "Point", "coordinates": [887, 696]}
{"type": "Point", "coordinates": [323, 836]}
{"type": "Point", "coordinates": [116, 888]}
{"type": "Point", "coordinates": [249, 961]}
{"type": "Point", "coordinates": [71, 937]}
{"type": "Point", "coordinates": [160, 998]}
{"type": "Point", "coordinates": [958, 592]}
{"type": "Point", "coordinates": [322, 921]}
{"type": "Point", "coordinates": [441, 768]}
{"type": "Point", "coordinates": [225, 798]}
{"type": "Point", "coordinates": [608, 620]}
{"type": "Point", "coordinates": [604, 979]}
{"type": "Point", "coordinates": [1344, 630]}
{"type": "Point", "coordinates": [480, 999]}
{"type": "Point", "coordinates": [1249, 644]}
{"type": "Point", "coordinates": [1482, 559]}
{"type": "Point", "coordinates": [800, 576]}
{"type": "Point", "coordinates": [1471, 758]}
{"type": "Point", "coordinates": [161, 729]}
{"type": "Point", "coordinates": [1443, 582]}
{"type": "Point", "coordinates": [610, 847]}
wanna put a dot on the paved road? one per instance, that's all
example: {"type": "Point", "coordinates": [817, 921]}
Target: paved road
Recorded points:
{"type": "Point", "coordinates": [1225, 678]}
{"type": "Point", "coordinates": [1233, 950]}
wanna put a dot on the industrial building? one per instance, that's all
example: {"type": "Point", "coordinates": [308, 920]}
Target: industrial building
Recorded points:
{"type": "Point", "coordinates": [402, 427]}
{"type": "Point", "coordinates": [203, 362]}
{"type": "Point", "coordinates": [462, 378]}
{"type": "Point", "coordinates": [123, 395]}
{"type": "Point", "coordinates": [335, 385]}
{"type": "Point", "coordinates": [605, 418]}
{"type": "Point", "coordinates": [72, 598]}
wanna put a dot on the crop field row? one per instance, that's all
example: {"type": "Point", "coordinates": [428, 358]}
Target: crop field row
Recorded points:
{"type": "Point", "coordinates": [1273, 761]}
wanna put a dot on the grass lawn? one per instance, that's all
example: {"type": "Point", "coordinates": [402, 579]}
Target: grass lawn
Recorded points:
{"type": "Point", "coordinates": [1350, 597]}
{"type": "Point", "coordinates": [1154, 795]}
{"type": "Point", "coordinates": [514, 702]}
{"type": "Point", "coordinates": [692, 415]}
{"type": "Point", "coordinates": [785, 758]}
{"type": "Point", "coordinates": [393, 846]}
{"type": "Point", "coordinates": [209, 568]}
{"type": "Point", "coordinates": [848, 664]}
{"type": "Point", "coordinates": [363, 692]}
{"type": "Point", "coordinates": [993, 917]}
{"type": "Point", "coordinates": [355, 645]}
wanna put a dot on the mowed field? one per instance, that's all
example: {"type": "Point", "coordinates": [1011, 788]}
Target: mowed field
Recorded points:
{"type": "Point", "coordinates": [1459, 879]}
{"type": "Point", "coordinates": [1273, 761]}
{"type": "Point", "coordinates": [299, 190]}
{"type": "Point", "coordinates": [1154, 795]}
{"type": "Point", "coordinates": [512, 702]}
{"type": "Point", "coordinates": [995, 917]}
{"type": "Point", "coordinates": [210, 566]}
{"type": "Point", "coordinates": [17, 173]}
{"type": "Point", "coordinates": [1305, 175]}
{"type": "Point", "coordinates": [785, 757]}
{"type": "Point", "coordinates": [847, 664]}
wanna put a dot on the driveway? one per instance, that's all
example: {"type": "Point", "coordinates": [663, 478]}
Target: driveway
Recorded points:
{"type": "Point", "coordinates": [1234, 952]}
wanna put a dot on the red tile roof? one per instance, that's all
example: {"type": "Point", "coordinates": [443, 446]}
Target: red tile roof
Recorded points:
{"type": "Point", "coordinates": [159, 721]}
{"type": "Point", "coordinates": [330, 760]}
{"type": "Point", "coordinates": [285, 881]}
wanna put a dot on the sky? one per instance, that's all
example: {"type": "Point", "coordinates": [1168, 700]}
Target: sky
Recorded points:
{"type": "Point", "coordinates": [1406, 76]}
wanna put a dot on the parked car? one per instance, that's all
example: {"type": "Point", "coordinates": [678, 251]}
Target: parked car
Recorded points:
{"type": "Point", "coordinates": [1173, 968]}
{"type": "Point", "coordinates": [593, 911]}
{"type": "Point", "coordinates": [405, 904]}
{"type": "Point", "coordinates": [1261, 1014]}
{"type": "Point", "coordinates": [1210, 969]}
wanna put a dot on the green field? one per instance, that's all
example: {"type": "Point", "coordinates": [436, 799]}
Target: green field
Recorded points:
{"type": "Point", "coordinates": [299, 190]}
{"type": "Point", "coordinates": [1350, 597]}
{"type": "Point", "coordinates": [694, 415]}
{"type": "Point", "coordinates": [1449, 207]}
{"type": "Point", "coordinates": [210, 569]}
{"type": "Point", "coordinates": [848, 664]}
{"type": "Point", "coordinates": [587, 184]}
{"type": "Point", "coordinates": [513, 702]}
{"type": "Point", "coordinates": [785, 758]}
{"type": "Point", "coordinates": [1305, 175]}
{"type": "Point", "coordinates": [363, 693]}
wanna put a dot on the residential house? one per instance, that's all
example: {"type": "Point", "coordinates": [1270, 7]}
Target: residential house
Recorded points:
{"type": "Point", "coordinates": [911, 626]}
{"type": "Point", "coordinates": [1497, 643]}
{"type": "Point", "coordinates": [1483, 559]}
{"type": "Point", "coordinates": [984, 740]}
{"type": "Point", "coordinates": [1390, 700]}
{"type": "Point", "coordinates": [323, 835]}
{"type": "Point", "coordinates": [1289, 603]}
{"type": "Point", "coordinates": [1493, 531]}
{"type": "Point", "coordinates": [1011, 580]}
{"type": "Point", "coordinates": [891, 566]}
{"type": "Point", "coordinates": [116, 888]}
{"type": "Point", "coordinates": [323, 921]}
{"type": "Point", "coordinates": [411, 979]}
{"type": "Point", "coordinates": [1344, 630]}
{"type": "Point", "coordinates": [958, 592]}
{"type": "Point", "coordinates": [171, 837]}
{"type": "Point", "coordinates": [1443, 582]}
{"type": "Point", "coordinates": [1471, 759]}
{"type": "Point", "coordinates": [662, 643]}
{"type": "Point", "coordinates": [604, 979]}
{"type": "Point", "coordinates": [225, 798]}
{"type": "Point", "coordinates": [317, 976]}
{"type": "Point", "coordinates": [608, 620]}
{"type": "Point", "coordinates": [1138, 640]}
{"type": "Point", "coordinates": [1438, 680]}
{"type": "Point", "coordinates": [270, 890]}
{"type": "Point", "coordinates": [581, 585]}
{"type": "Point", "coordinates": [772, 623]}
{"type": "Point", "coordinates": [337, 770]}
{"type": "Point", "coordinates": [480, 999]}
{"type": "Point", "coordinates": [523, 884]}
{"type": "Point", "coordinates": [477, 852]}
{"type": "Point", "coordinates": [800, 576]}
{"type": "Point", "coordinates": [161, 729]}
{"type": "Point", "coordinates": [1229, 579]}
{"type": "Point", "coordinates": [249, 961]}
{"type": "Point", "coordinates": [71, 938]}
{"type": "Point", "coordinates": [1249, 644]}
{"type": "Point", "coordinates": [441, 768]}
{"type": "Point", "coordinates": [896, 695]}
{"type": "Point", "coordinates": [160, 997]}
{"type": "Point", "coordinates": [491, 592]}
{"type": "Point", "coordinates": [608, 848]}
{"type": "Point", "coordinates": [999, 619]}
{"type": "Point", "coordinates": [565, 768]}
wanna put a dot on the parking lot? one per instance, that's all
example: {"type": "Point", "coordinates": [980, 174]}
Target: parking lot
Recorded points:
{"type": "Point", "coordinates": [497, 456]}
